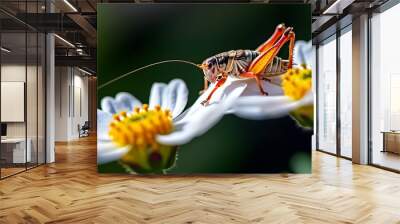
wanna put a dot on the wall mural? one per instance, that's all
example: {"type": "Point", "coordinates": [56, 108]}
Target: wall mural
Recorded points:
{"type": "Point", "coordinates": [204, 88]}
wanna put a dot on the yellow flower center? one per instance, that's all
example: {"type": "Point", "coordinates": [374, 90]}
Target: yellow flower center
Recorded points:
{"type": "Point", "coordinates": [139, 128]}
{"type": "Point", "coordinates": [296, 82]}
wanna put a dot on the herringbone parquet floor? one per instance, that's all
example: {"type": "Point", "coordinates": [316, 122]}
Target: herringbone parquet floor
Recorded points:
{"type": "Point", "coordinates": [71, 191]}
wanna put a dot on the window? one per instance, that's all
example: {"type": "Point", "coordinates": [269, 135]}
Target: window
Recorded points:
{"type": "Point", "coordinates": [327, 95]}
{"type": "Point", "coordinates": [346, 92]}
{"type": "Point", "coordinates": [385, 89]}
{"type": "Point", "coordinates": [22, 77]}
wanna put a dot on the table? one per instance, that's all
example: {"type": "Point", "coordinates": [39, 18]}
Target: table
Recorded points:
{"type": "Point", "coordinates": [391, 141]}
{"type": "Point", "coordinates": [19, 155]}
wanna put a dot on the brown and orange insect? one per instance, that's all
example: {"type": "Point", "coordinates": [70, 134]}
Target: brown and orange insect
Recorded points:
{"type": "Point", "coordinates": [244, 64]}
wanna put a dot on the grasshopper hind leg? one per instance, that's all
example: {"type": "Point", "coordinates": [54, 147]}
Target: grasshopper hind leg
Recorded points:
{"type": "Point", "coordinates": [258, 65]}
{"type": "Point", "coordinates": [258, 78]}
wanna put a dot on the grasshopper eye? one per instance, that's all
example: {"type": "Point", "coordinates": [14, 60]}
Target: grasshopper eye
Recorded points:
{"type": "Point", "coordinates": [219, 77]}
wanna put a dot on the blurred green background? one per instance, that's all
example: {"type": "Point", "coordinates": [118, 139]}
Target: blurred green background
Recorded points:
{"type": "Point", "coordinates": [133, 35]}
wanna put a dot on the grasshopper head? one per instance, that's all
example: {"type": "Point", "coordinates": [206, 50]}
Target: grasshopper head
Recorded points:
{"type": "Point", "coordinates": [211, 69]}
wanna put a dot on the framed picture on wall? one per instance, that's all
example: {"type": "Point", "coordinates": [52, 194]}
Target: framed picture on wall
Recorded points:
{"type": "Point", "coordinates": [204, 88]}
{"type": "Point", "coordinates": [12, 101]}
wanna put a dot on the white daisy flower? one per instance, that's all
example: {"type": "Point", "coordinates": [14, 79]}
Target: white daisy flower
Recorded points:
{"type": "Point", "coordinates": [125, 124]}
{"type": "Point", "coordinates": [127, 128]}
{"type": "Point", "coordinates": [295, 91]}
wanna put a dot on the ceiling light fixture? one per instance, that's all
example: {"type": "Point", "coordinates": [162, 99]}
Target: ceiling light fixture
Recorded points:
{"type": "Point", "coordinates": [84, 71]}
{"type": "Point", "coordinates": [64, 40]}
{"type": "Point", "coordinates": [337, 7]}
{"type": "Point", "coordinates": [79, 51]}
{"type": "Point", "coordinates": [70, 5]}
{"type": "Point", "coordinates": [5, 50]}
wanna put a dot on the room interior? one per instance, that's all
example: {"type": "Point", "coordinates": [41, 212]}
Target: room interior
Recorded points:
{"type": "Point", "coordinates": [72, 104]}
{"type": "Point", "coordinates": [48, 93]}
{"type": "Point", "coordinates": [334, 50]}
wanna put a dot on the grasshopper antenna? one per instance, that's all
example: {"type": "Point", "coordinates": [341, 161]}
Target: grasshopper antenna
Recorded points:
{"type": "Point", "coordinates": [147, 66]}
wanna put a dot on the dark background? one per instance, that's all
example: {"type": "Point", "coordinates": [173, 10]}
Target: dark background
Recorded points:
{"type": "Point", "coordinates": [131, 36]}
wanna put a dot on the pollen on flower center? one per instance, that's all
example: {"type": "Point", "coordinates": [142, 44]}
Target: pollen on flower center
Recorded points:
{"type": "Point", "coordinates": [296, 82]}
{"type": "Point", "coordinates": [140, 127]}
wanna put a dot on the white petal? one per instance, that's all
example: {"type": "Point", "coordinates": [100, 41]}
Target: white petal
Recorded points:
{"type": "Point", "coordinates": [164, 98]}
{"type": "Point", "coordinates": [273, 88]}
{"type": "Point", "coordinates": [127, 101]}
{"type": "Point", "coordinates": [156, 94]}
{"type": "Point", "coordinates": [196, 105]}
{"type": "Point", "coordinates": [176, 96]}
{"type": "Point", "coordinates": [108, 152]}
{"type": "Point", "coordinates": [123, 102]}
{"type": "Point", "coordinates": [107, 105]}
{"type": "Point", "coordinates": [302, 52]}
{"type": "Point", "coordinates": [307, 99]}
{"type": "Point", "coordinates": [266, 112]}
{"type": "Point", "coordinates": [203, 118]}
{"type": "Point", "coordinates": [258, 107]}
{"type": "Point", "coordinates": [196, 126]}
{"type": "Point", "coordinates": [215, 99]}
{"type": "Point", "coordinates": [103, 121]}
{"type": "Point", "coordinates": [253, 101]}
{"type": "Point", "coordinates": [177, 138]}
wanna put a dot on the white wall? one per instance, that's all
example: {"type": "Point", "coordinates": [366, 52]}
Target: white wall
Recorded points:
{"type": "Point", "coordinates": [71, 102]}
{"type": "Point", "coordinates": [80, 112]}
{"type": "Point", "coordinates": [62, 81]}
